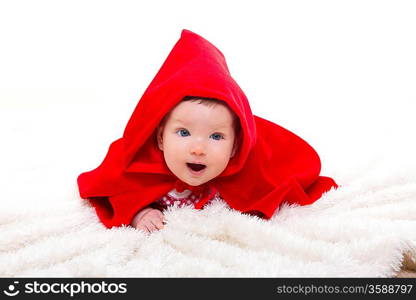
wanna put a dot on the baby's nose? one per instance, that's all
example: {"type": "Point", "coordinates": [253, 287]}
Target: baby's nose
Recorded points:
{"type": "Point", "coordinates": [197, 150]}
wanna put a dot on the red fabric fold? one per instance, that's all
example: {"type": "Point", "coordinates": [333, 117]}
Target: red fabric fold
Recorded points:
{"type": "Point", "coordinates": [272, 166]}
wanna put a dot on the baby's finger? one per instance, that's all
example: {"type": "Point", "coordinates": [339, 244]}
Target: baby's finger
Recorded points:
{"type": "Point", "coordinates": [156, 216]}
{"type": "Point", "coordinates": [158, 224]}
{"type": "Point", "coordinates": [150, 227]}
{"type": "Point", "coordinates": [142, 227]}
{"type": "Point", "coordinates": [161, 217]}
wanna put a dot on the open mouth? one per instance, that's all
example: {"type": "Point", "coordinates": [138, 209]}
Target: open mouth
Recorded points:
{"type": "Point", "coordinates": [196, 167]}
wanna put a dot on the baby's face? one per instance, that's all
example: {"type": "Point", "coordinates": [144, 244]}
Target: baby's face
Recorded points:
{"type": "Point", "coordinates": [197, 141]}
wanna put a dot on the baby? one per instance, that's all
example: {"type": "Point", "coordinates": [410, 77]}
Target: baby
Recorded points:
{"type": "Point", "coordinates": [198, 137]}
{"type": "Point", "coordinates": [192, 138]}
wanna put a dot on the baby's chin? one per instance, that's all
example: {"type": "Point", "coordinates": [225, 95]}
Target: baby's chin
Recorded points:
{"type": "Point", "coordinates": [194, 182]}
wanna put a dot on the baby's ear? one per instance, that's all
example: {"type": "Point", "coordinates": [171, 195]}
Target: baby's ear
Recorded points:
{"type": "Point", "coordinates": [159, 134]}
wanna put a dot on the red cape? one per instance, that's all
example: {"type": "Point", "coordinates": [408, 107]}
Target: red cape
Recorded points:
{"type": "Point", "coordinates": [272, 166]}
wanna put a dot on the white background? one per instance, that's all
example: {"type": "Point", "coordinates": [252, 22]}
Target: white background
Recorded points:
{"type": "Point", "coordinates": [340, 74]}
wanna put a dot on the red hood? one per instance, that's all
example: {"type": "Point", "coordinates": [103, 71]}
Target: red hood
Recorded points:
{"type": "Point", "coordinates": [193, 67]}
{"type": "Point", "coordinates": [273, 165]}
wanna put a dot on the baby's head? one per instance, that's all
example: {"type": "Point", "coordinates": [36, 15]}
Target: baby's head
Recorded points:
{"type": "Point", "coordinates": [198, 137]}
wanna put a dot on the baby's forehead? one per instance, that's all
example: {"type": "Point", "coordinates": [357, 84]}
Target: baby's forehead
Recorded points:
{"type": "Point", "coordinates": [212, 123]}
{"type": "Point", "coordinates": [197, 113]}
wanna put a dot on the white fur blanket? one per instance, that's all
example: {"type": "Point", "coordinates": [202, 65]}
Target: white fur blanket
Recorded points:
{"type": "Point", "coordinates": [363, 229]}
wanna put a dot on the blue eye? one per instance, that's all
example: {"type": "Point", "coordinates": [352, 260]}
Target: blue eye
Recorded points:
{"type": "Point", "coordinates": [217, 136]}
{"type": "Point", "coordinates": [183, 132]}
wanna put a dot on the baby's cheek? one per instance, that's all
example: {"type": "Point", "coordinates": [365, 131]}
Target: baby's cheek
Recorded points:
{"type": "Point", "coordinates": [172, 148]}
{"type": "Point", "coordinates": [223, 153]}
{"type": "Point", "coordinates": [221, 161]}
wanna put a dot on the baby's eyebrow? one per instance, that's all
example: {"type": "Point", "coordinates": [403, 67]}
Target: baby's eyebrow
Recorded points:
{"type": "Point", "coordinates": [179, 121]}
{"type": "Point", "coordinates": [221, 127]}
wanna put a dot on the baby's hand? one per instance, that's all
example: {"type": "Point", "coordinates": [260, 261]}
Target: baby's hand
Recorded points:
{"type": "Point", "coordinates": [148, 220]}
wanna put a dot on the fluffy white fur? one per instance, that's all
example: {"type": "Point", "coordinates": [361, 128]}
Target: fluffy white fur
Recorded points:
{"type": "Point", "coordinates": [365, 228]}
{"type": "Point", "coordinates": [362, 229]}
